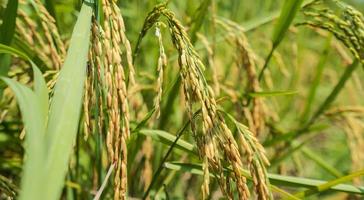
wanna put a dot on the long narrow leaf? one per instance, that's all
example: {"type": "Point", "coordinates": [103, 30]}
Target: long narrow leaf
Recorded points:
{"type": "Point", "coordinates": [326, 186]}
{"type": "Point", "coordinates": [167, 138]}
{"type": "Point", "coordinates": [40, 86]}
{"type": "Point", "coordinates": [7, 29]}
{"type": "Point", "coordinates": [66, 105]}
{"type": "Point", "coordinates": [274, 179]}
{"type": "Point", "coordinates": [288, 12]}
{"type": "Point", "coordinates": [34, 126]}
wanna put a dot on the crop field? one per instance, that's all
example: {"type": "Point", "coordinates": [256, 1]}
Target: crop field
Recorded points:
{"type": "Point", "coordinates": [181, 99]}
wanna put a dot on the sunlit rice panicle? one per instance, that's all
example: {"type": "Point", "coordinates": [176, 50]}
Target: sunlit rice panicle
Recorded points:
{"type": "Point", "coordinates": [56, 45]}
{"type": "Point", "coordinates": [118, 25]}
{"type": "Point", "coordinates": [215, 141]}
{"type": "Point", "coordinates": [26, 27]}
{"type": "Point", "coordinates": [108, 79]}
{"type": "Point", "coordinates": [86, 107]}
{"type": "Point", "coordinates": [255, 155]}
{"type": "Point", "coordinates": [51, 49]}
{"type": "Point", "coordinates": [27, 35]}
{"type": "Point", "coordinates": [162, 63]}
{"type": "Point", "coordinates": [347, 27]}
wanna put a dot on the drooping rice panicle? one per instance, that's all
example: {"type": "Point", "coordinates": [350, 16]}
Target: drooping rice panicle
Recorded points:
{"type": "Point", "coordinates": [215, 141]}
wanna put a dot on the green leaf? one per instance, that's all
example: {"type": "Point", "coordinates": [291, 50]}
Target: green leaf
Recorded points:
{"type": "Point", "coordinates": [167, 138]}
{"type": "Point", "coordinates": [22, 46]}
{"type": "Point", "coordinates": [40, 86]}
{"type": "Point", "coordinates": [330, 184]}
{"type": "Point", "coordinates": [288, 12]}
{"type": "Point", "coordinates": [66, 105]}
{"type": "Point", "coordinates": [144, 121]}
{"type": "Point", "coordinates": [275, 179]}
{"type": "Point", "coordinates": [41, 91]}
{"type": "Point", "coordinates": [320, 162]}
{"type": "Point", "coordinates": [34, 126]}
{"type": "Point", "coordinates": [7, 29]}
{"type": "Point", "coordinates": [10, 50]}
{"type": "Point", "coordinates": [271, 94]}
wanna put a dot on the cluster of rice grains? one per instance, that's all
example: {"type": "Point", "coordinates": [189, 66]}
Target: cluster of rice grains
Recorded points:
{"type": "Point", "coordinates": [216, 144]}
{"type": "Point", "coordinates": [245, 59]}
{"type": "Point", "coordinates": [106, 90]}
{"type": "Point", "coordinates": [42, 35]}
{"type": "Point", "coordinates": [347, 24]}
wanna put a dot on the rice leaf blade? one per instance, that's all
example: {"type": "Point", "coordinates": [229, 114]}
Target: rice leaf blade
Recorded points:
{"type": "Point", "coordinates": [34, 126]}
{"type": "Point", "coordinates": [274, 179]}
{"type": "Point", "coordinates": [66, 105]}
{"type": "Point", "coordinates": [7, 29]}
{"type": "Point", "coordinates": [288, 12]}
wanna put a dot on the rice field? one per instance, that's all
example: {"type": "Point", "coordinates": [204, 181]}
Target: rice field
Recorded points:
{"type": "Point", "coordinates": [167, 99]}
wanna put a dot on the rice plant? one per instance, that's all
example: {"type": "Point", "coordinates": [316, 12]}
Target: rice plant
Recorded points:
{"type": "Point", "coordinates": [122, 99]}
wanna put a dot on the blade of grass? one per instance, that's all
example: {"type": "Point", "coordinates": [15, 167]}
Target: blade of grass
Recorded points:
{"type": "Point", "coordinates": [7, 30]}
{"type": "Point", "coordinates": [288, 13]}
{"type": "Point", "coordinates": [66, 105]}
{"type": "Point", "coordinates": [34, 125]}
{"type": "Point", "coordinates": [326, 186]}
{"type": "Point", "coordinates": [284, 193]}
{"type": "Point", "coordinates": [167, 138]}
{"type": "Point", "coordinates": [274, 179]}
{"type": "Point", "coordinates": [10, 50]}
{"type": "Point", "coordinates": [319, 161]}
{"type": "Point", "coordinates": [271, 94]}
{"type": "Point", "coordinates": [104, 183]}
{"type": "Point", "coordinates": [40, 87]}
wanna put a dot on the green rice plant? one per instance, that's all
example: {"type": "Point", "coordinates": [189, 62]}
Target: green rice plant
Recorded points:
{"type": "Point", "coordinates": [46, 123]}
{"type": "Point", "coordinates": [185, 114]}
